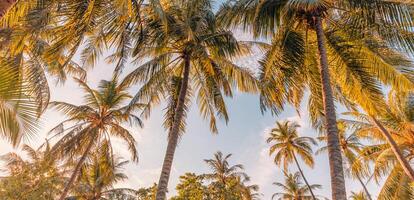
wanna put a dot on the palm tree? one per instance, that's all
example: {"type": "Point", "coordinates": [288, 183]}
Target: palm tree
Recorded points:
{"type": "Point", "coordinates": [97, 178]}
{"type": "Point", "coordinates": [23, 43]}
{"type": "Point", "coordinates": [228, 181]}
{"type": "Point", "coordinates": [94, 123]}
{"type": "Point", "coordinates": [293, 188]}
{"type": "Point", "coordinates": [296, 52]}
{"type": "Point", "coordinates": [249, 192]}
{"type": "Point", "coordinates": [396, 186]}
{"type": "Point", "coordinates": [382, 153]}
{"type": "Point", "coordinates": [351, 148]}
{"type": "Point", "coordinates": [395, 125]}
{"type": "Point", "coordinates": [19, 112]}
{"type": "Point", "coordinates": [191, 58]}
{"type": "Point", "coordinates": [397, 183]}
{"type": "Point", "coordinates": [222, 171]}
{"type": "Point", "coordinates": [147, 193]}
{"type": "Point", "coordinates": [5, 6]}
{"type": "Point", "coordinates": [358, 196]}
{"type": "Point", "coordinates": [286, 144]}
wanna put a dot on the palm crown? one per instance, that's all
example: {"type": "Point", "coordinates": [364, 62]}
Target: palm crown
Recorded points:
{"type": "Point", "coordinates": [94, 123]}
{"type": "Point", "coordinates": [194, 37]}
{"type": "Point", "coordinates": [293, 189]}
{"type": "Point", "coordinates": [98, 177]}
{"type": "Point", "coordinates": [285, 142]}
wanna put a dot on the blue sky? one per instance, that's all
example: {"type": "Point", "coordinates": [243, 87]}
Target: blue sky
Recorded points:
{"type": "Point", "coordinates": [244, 137]}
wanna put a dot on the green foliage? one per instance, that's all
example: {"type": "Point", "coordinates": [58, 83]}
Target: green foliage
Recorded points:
{"type": "Point", "coordinates": [225, 182]}
{"type": "Point", "coordinates": [398, 121]}
{"type": "Point", "coordinates": [286, 144]}
{"type": "Point", "coordinates": [293, 188]}
{"type": "Point", "coordinates": [191, 188]}
{"type": "Point", "coordinates": [369, 44]}
{"type": "Point", "coordinates": [147, 193]}
{"type": "Point", "coordinates": [38, 178]}
{"type": "Point", "coordinates": [100, 117]}
{"type": "Point", "coordinates": [365, 61]}
{"type": "Point", "coordinates": [191, 33]}
{"type": "Point", "coordinates": [358, 196]}
{"type": "Point", "coordinates": [98, 177]}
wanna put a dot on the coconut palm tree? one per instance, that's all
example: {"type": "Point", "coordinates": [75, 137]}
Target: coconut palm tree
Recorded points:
{"type": "Point", "coordinates": [397, 185]}
{"type": "Point", "coordinates": [222, 171]}
{"type": "Point", "coordinates": [191, 58]}
{"type": "Point", "coordinates": [397, 182]}
{"type": "Point", "coordinates": [286, 144]}
{"type": "Point", "coordinates": [291, 22]}
{"type": "Point", "coordinates": [228, 181]}
{"type": "Point", "coordinates": [5, 6]}
{"type": "Point", "coordinates": [351, 148]}
{"type": "Point", "coordinates": [147, 193]}
{"type": "Point", "coordinates": [293, 188]}
{"type": "Point", "coordinates": [98, 177]}
{"type": "Point", "coordinates": [23, 43]}
{"type": "Point", "coordinates": [383, 153]}
{"type": "Point", "coordinates": [248, 192]}
{"type": "Point", "coordinates": [395, 127]}
{"type": "Point", "coordinates": [358, 196]}
{"type": "Point", "coordinates": [92, 124]}
{"type": "Point", "coordinates": [19, 112]}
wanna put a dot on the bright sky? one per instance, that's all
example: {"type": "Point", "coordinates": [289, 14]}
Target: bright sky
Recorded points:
{"type": "Point", "coordinates": [244, 137]}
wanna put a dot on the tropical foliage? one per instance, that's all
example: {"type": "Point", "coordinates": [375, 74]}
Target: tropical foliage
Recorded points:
{"type": "Point", "coordinates": [349, 55]}
{"type": "Point", "coordinates": [37, 177]}
{"type": "Point", "coordinates": [92, 125]}
{"type": "Point", "coordinates": [293, 188]}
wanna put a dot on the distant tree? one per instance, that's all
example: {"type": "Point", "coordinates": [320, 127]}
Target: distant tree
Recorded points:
{"type": "Point", "coordinates": [147, 193]}
{"type": "Point", "coordinates": [228, 181]}
{"type": "Point", "coordinates": [287, 144]}
{"type": "Point", "coordinates": [92, 124]}
{"type": "Point", "coordinates": [293, 189]}
{"type": "Point", "coordinates": [191, 187]}
{"type": "Point", "coordinates": [98, 177]}
{"type": "Point", "coordinates": [39, 177]}
{"type": "Point", "coordinates": [358, 196]}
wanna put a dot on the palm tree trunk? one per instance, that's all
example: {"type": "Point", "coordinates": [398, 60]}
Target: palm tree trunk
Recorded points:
{"type": "Point", "coordinates": [400, 157]}
{"type": "Point", "coordinates": [173, 135]}
{"type": "Point", "coordinates": [303, 176]}
{"type": "Point", "coordinates": [5, 6]}
{"type": "Point", "coordinates": [364, 187]}
{"type": "Point", "coordinates": [334, 151]}
{"type": "Point", "coordinates": [76, 171]}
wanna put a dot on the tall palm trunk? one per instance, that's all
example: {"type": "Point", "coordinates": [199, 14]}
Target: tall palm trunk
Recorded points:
{"type": "Point", "coordinates": [173, 135]}
{"type": "Point", "coordinates": [76, 171]}
{"type": "Point", "coordinates": [5, 6]}
{"type": "Point", "coordinates": [303, 176]}
{"type": "Point", "coordinates": [364, 187]}
{"type": "Point", "coordinates": [334, 151]}
{"type": "Point", "coordinates": [400, 157]}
